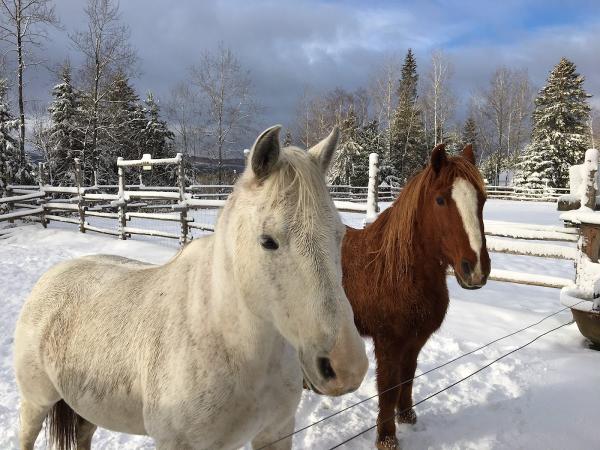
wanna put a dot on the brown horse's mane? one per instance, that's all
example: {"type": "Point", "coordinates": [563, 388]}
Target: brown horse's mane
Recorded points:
{"type": "Point", "coordinates": [397, 226]}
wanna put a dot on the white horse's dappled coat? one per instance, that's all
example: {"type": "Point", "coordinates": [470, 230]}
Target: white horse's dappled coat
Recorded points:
{"type": "Point", "coordinates": [209, 350]}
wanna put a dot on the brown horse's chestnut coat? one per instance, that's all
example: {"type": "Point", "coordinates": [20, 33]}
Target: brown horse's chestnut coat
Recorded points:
{"type": "Point", "coordinates": [394, 274]}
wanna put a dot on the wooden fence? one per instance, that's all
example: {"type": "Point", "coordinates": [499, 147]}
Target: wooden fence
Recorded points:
{"type": "Point", "coordinates": [526, 194]}
{"type": "Point", "coordinates": [123, 203]}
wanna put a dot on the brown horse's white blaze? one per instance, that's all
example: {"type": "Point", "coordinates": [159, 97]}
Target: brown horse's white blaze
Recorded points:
{"type": "Point", "coordinates": [470, 274]}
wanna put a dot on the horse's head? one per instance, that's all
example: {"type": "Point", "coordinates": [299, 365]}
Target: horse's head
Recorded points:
{"type": "Point", "coordinates": [454, 200]}
{"type": "Point", "coordinates": [286, 257]}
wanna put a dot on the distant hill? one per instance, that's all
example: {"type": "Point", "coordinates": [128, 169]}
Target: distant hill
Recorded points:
{"type": "Point", "coordinates": [201, 163]}
{"type": "Point", "coordinates": [206, 164]}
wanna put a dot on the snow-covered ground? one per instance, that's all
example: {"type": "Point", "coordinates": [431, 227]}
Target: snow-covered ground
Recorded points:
{"type": "Point", "coordinates": [545, 396]}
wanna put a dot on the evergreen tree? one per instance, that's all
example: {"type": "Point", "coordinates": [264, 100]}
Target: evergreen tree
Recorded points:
{"type": "Point", "coordinates": [453, 141]}
{"type": "Point", "coordinates": [287, 140]}
{"type": "Point", "coordinates": [348, 148]}
{"type": "Point", "coordinates": [469, 136]}
{"type": "Point", "coordinates": [65, 136]}
{"type": "Point", "coordinates": [122, 130]}
{"type": "Point", "coordinates": [408, 148]}
{"type": "Point", "coordinates": [493, 166]}
{"type": "Point", "coordinates": [559, 137]}
{"type": "Point", "coordinates": [158, 143]}
{"type": "Point", "coordinates": [533, 171]}
{"type": "Point", "coordinates": [13, 170]}
{"type": "Point", "coordinates": [409, 80]}
{"type": "Point", "coordinates": [368, 140]}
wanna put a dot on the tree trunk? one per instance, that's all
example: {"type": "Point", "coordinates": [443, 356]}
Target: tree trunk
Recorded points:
{"type": "Point", "coordinates": [20, 82]}
{"type": "Point", "coordinates": [95, 99]}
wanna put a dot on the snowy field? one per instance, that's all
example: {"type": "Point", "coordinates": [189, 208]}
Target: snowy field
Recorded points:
{"type": "Point", "coordinates": [545, 396]}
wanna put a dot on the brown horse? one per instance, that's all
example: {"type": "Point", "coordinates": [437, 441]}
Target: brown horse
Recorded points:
{"type": "Point", "coordinates": [394, 273]}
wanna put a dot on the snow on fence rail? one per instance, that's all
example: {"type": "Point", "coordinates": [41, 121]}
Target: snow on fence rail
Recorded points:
{"type": "Point", "coordinates": [528, 194]}
{"type": "Point", "coordinates": [124, 203]}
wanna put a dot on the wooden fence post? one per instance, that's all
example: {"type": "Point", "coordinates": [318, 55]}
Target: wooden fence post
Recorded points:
{"type": "Point", "coordinates": [372, 200]}
{"type": "Point", "coordinates": [80, 205]}
{"type": "Point", "coordinates": [591, 169]}
{"type": "Point", "coordinates": [41, 201]}
{"type": "Point", "coordinates": [590, 233]}
{"type": "Point", "coordinates": [121, 201]}
{"type": "Point", "coordinates": [183, 213]}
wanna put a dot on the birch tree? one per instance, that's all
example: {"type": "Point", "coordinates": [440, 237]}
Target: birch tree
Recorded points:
{"type": "Point", "coordinates": [502, 113]}
{"type": "Point", "coordinates": [106, 50]}
{"type": "Point", "coordinates": [226, 90]}
{"type": "Point", "coordinates": [184, 113]}
{"type": "Point", "coordinates": [384, 92]}
{"type": "Point", "coordinates": [23, 27]}
{"type": "Point", "coordinates": [439, 101]}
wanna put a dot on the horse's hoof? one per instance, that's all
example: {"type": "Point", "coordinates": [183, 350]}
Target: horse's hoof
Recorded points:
{"type": "Point", "coordinates": [388, 443]}
{"type": "Point", "coordinates": [409, 417]}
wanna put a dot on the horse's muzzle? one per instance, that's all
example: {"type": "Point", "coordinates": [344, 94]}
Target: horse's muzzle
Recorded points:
{"type": "Point", "coordinates": [468, 278]}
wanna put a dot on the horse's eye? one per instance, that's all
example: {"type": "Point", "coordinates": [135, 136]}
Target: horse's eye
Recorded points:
{"type": "Point", "coordinates": [268, 242]}
{"type": "Point", "coordinates": [440, 200]}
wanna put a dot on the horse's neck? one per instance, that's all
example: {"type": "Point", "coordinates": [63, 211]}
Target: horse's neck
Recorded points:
{"type": "Point", "coordinates": [424, 254]}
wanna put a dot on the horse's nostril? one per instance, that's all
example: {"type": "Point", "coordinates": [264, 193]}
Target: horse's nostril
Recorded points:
{"type": "Point", "coordinates": [465, 267]}
{"type": "Point", "coordinates": [325, 368]}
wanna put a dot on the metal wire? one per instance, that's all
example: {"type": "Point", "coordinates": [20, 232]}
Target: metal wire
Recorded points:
{"type": "Point", "coordinates": [323, 419]}
{"type": "Point", "coordinates": [452, 384]}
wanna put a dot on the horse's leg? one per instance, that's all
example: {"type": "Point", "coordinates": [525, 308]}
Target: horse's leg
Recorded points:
{"type": "Point", "coordinates": [273, 433]}
{"type": "Point", "coordinates": [32, 418]}
{"type": "Point", "coordinates": [406, 413]}
{"type": "Point", "coordinates": [85, 432]}
{"type": "Point", "coordinates": [387, 379]}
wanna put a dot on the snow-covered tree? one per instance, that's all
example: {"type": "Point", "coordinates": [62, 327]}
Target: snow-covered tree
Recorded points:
{"type": "Point", "coordinates": [158, 142]}
{"type": "Point", "coordinates": [368, 140]}
{"type": "Point", "coordinates": [65, 133]}
{"type": "Point", "coordinates": [533, 170]}
{"type": "Point", "coordinates": [8, 141]}
{"type": "Point", "coordinates": [342, 167]}
{"type": "Point", "coordinates": [287, 140]}
{"type": "Point", "coordinates": [13, 169]}
{"type": "Point", "coordinates": [469, 136]}
{"type": "Point", "coordinates": [560, 128]}
{"type": "Point", "coordinates": [122, 129]}
{"type": "Point", "coordinates": [453, 141]}
{"type": "Point", "coordinates": [104, 45]}
{"type": "Point", "coordinates": [408, 148]}
{"type": "Point", "coordinates": [437, 100]}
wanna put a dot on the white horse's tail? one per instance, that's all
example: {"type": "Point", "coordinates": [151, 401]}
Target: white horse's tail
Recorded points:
{"type": "Point", "coordinates": [62, 426]}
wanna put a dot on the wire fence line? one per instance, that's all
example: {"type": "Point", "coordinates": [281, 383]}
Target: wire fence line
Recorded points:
{"type": "Point", "coordinates": [433, 369]}
{"type": "Point", "coordinates": [516, 349]}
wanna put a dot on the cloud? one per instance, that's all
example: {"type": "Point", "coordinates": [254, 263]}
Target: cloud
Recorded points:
{"type": "Point", "coordinates": [290, 44]}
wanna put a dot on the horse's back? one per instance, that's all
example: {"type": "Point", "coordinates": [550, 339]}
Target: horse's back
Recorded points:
{"type": "Point", "coordinates": [79, 279]}
{"type": "Point", "coordinates": [84, 327]}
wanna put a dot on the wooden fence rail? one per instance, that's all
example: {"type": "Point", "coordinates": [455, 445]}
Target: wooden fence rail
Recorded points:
{"type": "Point", "coordinates": [123, 203]}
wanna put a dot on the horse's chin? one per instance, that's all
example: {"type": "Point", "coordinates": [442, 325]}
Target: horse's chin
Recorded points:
{"type": "Point", "coordinates": [309, 384]}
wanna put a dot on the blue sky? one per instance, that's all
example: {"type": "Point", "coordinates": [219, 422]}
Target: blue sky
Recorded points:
{"type": "Point", "coordinates": [290, 44]}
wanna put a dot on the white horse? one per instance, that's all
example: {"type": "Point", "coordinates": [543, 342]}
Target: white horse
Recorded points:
{"type": "Point", "coordinates": [209, 350]}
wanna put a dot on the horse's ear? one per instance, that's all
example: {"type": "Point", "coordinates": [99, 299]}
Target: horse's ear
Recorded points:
{"type": "Point", "coordinates": [323, 151]}
{"type": "Point", "coordinates": [265, 152]}
{"type": "Point", "coordinates": [468, 153]}
{"type": "Point", "coordinates": [438, 157]}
